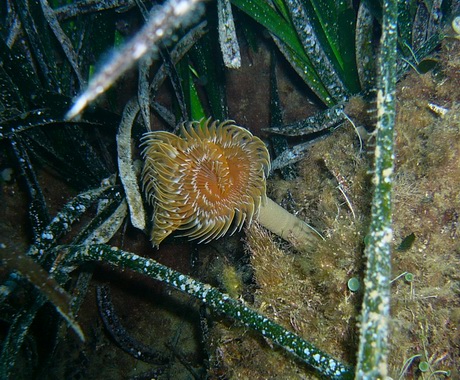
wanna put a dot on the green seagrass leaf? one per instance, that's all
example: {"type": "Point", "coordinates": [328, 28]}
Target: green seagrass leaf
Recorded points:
{"type": "Point", "coordinates": [285, 36]}
{"type": "Point", "coordinates": [207, 61]}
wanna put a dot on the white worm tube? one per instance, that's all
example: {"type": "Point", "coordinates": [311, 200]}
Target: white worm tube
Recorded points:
{"type": "Point", "coordinates": [282, 223]}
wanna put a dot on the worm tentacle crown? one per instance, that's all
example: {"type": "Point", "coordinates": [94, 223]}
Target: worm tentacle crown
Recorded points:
{"type": "Point", "coordinates": [206, 182]}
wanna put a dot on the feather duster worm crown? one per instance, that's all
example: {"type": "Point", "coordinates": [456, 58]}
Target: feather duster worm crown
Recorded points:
{"type": "Point", "coordinates": [206, 182]}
